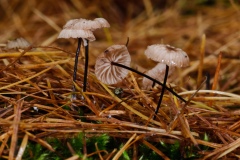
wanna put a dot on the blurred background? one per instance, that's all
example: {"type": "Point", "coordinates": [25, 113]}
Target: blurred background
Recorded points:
{"type": "Point", "coordinates": [180, 23]}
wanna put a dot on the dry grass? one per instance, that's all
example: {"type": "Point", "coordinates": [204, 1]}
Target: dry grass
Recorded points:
{"type": "Point", "coordinates": [40, 77]}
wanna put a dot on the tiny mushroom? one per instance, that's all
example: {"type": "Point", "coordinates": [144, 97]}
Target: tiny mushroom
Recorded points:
{"type": "Point", "coordinates": [19, 43]}
{"type": "Point", "coordinates": [101, 23]}
{"type": "Point", "coordinates": [82, 29]}
{"type": "Point", "coordinates": [171, 57]}
{"type": "Point", "coordinates": [108, 73]}
{"type": "Point", "coordinates": [158, 73]}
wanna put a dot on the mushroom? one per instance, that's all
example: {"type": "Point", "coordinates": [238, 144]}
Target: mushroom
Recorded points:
{"type": "Point", "coordinates": [157, 73]}
{"type": "Point", "coordinates": [19, 43]}
{"type": "Point", "coordinates": [108, 73]}
{"type": "Point", "coordinates": [171, 57]}
{"type": "Point", "coordinates": [82, 29]}
{"type": "Point", "coordinates": [113, 65]}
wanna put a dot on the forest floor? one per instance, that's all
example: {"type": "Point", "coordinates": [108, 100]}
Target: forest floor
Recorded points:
{"type": "Point", "coordinates": [40, 120]}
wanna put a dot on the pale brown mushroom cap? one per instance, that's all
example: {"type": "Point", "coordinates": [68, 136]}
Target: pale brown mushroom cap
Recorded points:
{"type": "Point", "coordinates": [82, 28]}
{"type": "Point", "coordinates": [158, 73]}
{"type": "Point", "coordinates": [19, 43]}
{"type": "Point", "coordinates": [167, 54]}
{"type": "Point", "coordinates": [77, 33]}
{"type": "Point", "coordinates": [85, 24]}
{"type": "Point", "coordinates": [108, 73]}
{"type": "Point", "coordinates": [103, 22]}
{"type": "Point", "coordinates": [70, 23]}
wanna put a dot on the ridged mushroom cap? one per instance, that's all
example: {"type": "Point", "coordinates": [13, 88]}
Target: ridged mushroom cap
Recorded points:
{"type": "Point", "coordinates": [168, 55]}
{"type": "Point", "coordinates": [82, 28]}
{"type": "Point", "coordinates": [108, 73]}
{"type": "Point", "coordinates": [158, 73]}
{"type": "Point", "coordinates": [103, 22]}
{"type": "Point", "coordinates": [85, 24]}
{"type": "Point", "coordinates": [18, 43]}
{"type": "Point", "coordinates": [77, 33]}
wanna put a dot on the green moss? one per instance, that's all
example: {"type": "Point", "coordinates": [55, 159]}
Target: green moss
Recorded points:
{"type": "Point", "coordinates": [35, 151]}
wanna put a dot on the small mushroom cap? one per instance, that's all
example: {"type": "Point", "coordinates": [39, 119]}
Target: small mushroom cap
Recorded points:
{"type": "Point", "coordinates": [85, 24]}
{"type": "Point", "coordinates": [77, 33]}
{"type": "Point", "coordinates": [158, 73]}
{"type": "Point", "coordinates": [103, 22]}
{"type": "Point", "coordinates": [108, 73]}
{"type": "Point", "coordinates": [167, 54]}
{"type": "Point", "coordinates": [82, 28]}
{"type": "Point", "coordinates": [19, 43]}
{"type": "Point", "coordinates": [71, 23]}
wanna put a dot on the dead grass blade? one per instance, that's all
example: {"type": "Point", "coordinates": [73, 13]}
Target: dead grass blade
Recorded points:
{"type": "Point", "coordinates": [40, 141]}
{"type": "Point", "coordinates": [91, 105]}
{"type": "Point", "coordinates": [126, 145]}
{"type": "Point", "coordinates": [202, 55]}
{"type": "Point", "coordinates": [224, 149]}
{"type": "Point", "coordinates": [111, 154]}
{"type": "Point", "coordinates": [75, 157]}
{"type": "Point", "coordinates": [155, 150]}
{"type": "Point", "coordinates": [31, 53]}
{"type": "Point", "coordinates": [209, 144]}
{"type": "Point", "coordinates": [4, 139]}
{"type": "Point", "coordinates": [15, 128]}
{"type": "Point", "coordinates": [99, 153]}
{"type": "Point", "coordinates": [26, 79]}
{"type": "Point", "coordinates": [216, 76]}
{"type": "Point", "coordinates": [22, 147]}
{"type": "Point", "coordinates": [10, 64]}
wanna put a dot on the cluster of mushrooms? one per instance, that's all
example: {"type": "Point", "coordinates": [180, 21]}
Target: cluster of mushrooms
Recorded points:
{"type": "Point", "coordinates": [82, 29]}
{"type": "Point", "coordinates": [113, 65]}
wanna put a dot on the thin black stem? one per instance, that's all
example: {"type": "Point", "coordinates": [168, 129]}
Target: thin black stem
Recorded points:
{"type": "Point", "coordinates": [85, 68]}
{"type": "Point", "coordinates": [76, 65]}
{"type": "Point", "coordinates": [208, 86]}
{"type": "Point", "coordinates": [152, 79]}
{"type": "Point", "coordinates": [163, 88]}
{"type": "Point", "coordinates": [153, 84]}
